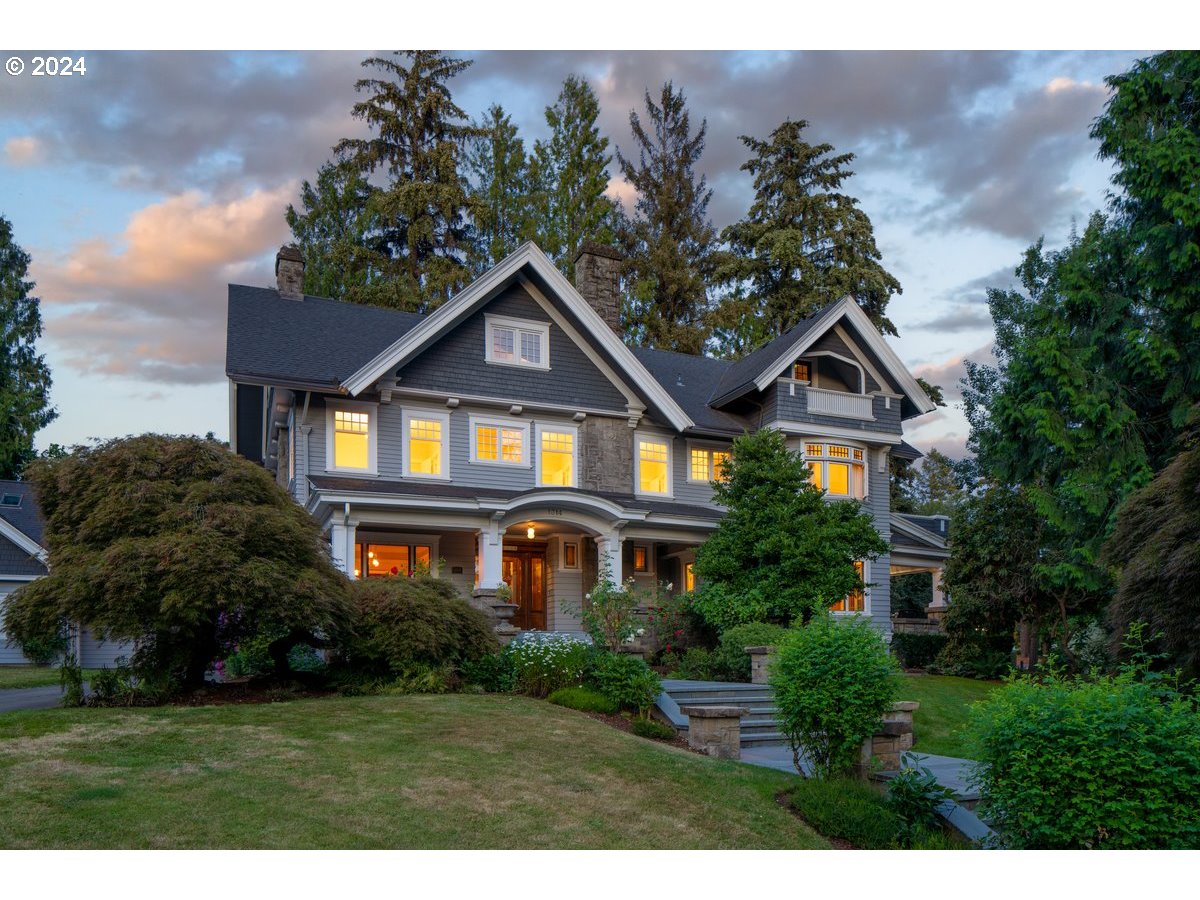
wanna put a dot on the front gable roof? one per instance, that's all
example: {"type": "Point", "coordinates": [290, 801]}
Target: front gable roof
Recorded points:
{"type": "Point", "coordinates": [760, 369]}
{"type": "Point", "coordinates": [22, 529]}
{"type": "Point", "coordinates": [529, 265]}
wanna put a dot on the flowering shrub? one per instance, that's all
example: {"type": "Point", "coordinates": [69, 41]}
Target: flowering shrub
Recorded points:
{"type": "Point", "coordinates": [542, 665]}
{"type": "Point", "coordinates": [609, 612]}
{"type": "Point", "coordinates": [667, 620]}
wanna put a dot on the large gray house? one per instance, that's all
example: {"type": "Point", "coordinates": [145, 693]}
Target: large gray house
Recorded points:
{"type": "Point", "coordinates": [511, 435]}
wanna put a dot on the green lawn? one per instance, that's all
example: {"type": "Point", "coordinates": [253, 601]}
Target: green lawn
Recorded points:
{"type": "Point", "coordinates": [944, 701]}
{"type": "Point", "coordinates": [29, 676]}
{"type": "Point", "coordinates": [450, 771]}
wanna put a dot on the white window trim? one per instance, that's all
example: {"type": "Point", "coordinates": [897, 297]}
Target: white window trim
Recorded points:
{"type": "Point", "coordinates": [391, 539]}
{"type": "Point", "coordinates": [866, 610]}
{"type": "Point", "coordinates": [702, 445]}
{"type": "Point", "coordinates": [824, 459]}
{"type": "Point", "coordinates": [518, 325]}
{"type": "Point", "coordinates": [408, 413]}
{"type": "Point", "coordinates": [495, 422]}
{"type": "Point", "coordinates": [539, 429]}
{"type": "Point", "coordinates": [638, 437]}
{"type": "Point", "coordinates": [372, 411]}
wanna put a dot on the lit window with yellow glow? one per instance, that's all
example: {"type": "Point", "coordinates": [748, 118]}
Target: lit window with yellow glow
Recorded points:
{"type": "Point", "coordinates": [837, 469]}
{"type": "Point", "coordinates": [800, 371]}
{"type": "Point", "coordinates": [854, 601]}
{"type": "Point", "coordinates": [557, 463]}
{"type": "Point", "coordinates": [689, 577]}
{"type": "Point", "coordinates": [494, 443]}
{"type": "Point", "coordinates": [705, 465]}
{"type": "Point", "coordinates": [653, 466]}
{"type": "Point", "coordinates": [351, 440]}
{"type": "Point", "coordinates": [424, 446]}
{"type": "Point", "coordinates": [641, 560]}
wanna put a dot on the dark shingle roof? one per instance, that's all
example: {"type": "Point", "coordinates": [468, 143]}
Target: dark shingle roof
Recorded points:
{"type": "Point", "coordinates": [739, 378]}
{"type": "Point", "coordinates": [402, 488]}
{"type": "Point", "coordinates": [311, 341]}
{"type": "Point", "coordinates": [936, 525]}
{"type": "Point", "coordinates": [905, 450]}
{"type": "Point", "coordinates": [690, 381]}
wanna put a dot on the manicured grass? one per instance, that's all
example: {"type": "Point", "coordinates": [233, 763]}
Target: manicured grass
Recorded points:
{"type": "Point", "coordinates": [420, 771]}
{"type": "Point", "coordinates": [30, 676]}
{"type": "Point", "coordinates": [937, 725]}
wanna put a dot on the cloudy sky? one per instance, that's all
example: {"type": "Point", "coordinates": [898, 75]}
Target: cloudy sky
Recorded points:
{"type": "Point", "coordinates": [145, 186]}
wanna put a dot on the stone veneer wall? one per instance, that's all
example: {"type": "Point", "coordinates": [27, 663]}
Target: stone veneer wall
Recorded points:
{"type": "Point", "coordinates": [606, 446]}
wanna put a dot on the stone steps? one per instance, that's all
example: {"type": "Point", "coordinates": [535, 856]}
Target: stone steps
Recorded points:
{"type": "Point", "coordinates": [759, 728]}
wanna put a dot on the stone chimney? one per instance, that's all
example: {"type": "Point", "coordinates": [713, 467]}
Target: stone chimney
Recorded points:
{"type": "Point", "coordinates": [598, 280]}
{"type": "Point", "coordinates": [289, 272]}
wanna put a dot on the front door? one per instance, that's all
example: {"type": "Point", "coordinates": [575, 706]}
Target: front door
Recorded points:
{"type": "Point", "coordinates": [525, 572]}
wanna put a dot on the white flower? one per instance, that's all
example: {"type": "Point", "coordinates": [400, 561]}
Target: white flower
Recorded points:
{"type": "Point", "coordinates": [670, 585]}
{"type": "Point", "coordinates": [641, 631]}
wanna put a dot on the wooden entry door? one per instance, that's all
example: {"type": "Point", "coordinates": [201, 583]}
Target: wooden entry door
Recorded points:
{"type": "Point", "coordinates": [524, 571]}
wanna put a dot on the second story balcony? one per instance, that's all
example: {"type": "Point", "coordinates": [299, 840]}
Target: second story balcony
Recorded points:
{"type": "Point", "coordinates": [839, 403]}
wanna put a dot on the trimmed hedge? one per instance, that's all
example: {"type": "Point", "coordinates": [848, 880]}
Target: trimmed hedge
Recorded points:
{"type": "Point", "coordinates": [917, 651]}
{"type": "Point", "coordinates": [583, 699]}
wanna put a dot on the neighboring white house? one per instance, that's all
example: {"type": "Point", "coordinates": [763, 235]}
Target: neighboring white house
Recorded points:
{"type": "Point", "coordinates": [22, 560]}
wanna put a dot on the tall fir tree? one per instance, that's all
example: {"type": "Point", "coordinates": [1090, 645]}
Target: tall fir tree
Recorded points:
{"type": "Point", "coordinates": [669, 241]}
{"type": "Point", "coordinates": [332, 229]}
{"type": "Point", "coordinates": [423, 210]}
{"type": "Point", "coordinates": [569, 174]}
{"type": "Point", "coordinates": [24, 376]}
{"type": "Point", "coordinates": [498, 171]}
{"type": "Point", "coordinates": [803, 244]}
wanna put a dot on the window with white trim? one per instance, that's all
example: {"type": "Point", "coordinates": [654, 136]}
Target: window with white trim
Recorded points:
{"type": "Point", "coordinates": [517, 342]}
{"type": "Point", "coordinates": [350, 437]}
{"type": "Point", "coordinates": [704, 464]}
{"type": "Point", "coordinates": [426, 444]}
{"type": "Point", "coordinates": [653, 464]}
{"type": "Point", "coordinates": [556, 456]}
{"type": "Point", "coordinates": [855, 601]}
{"type": "Point", "coordinates": [497, 442]}
{"type": "Point", "coordinates": [837, 469]}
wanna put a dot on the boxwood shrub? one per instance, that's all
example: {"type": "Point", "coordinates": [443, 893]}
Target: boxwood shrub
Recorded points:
{"type": "Point", "coordinates": [583, 698]}
{"type": "Point", "coordinates": [1069, 763]}
{"type": "Point", "coordinates": [917, 651]}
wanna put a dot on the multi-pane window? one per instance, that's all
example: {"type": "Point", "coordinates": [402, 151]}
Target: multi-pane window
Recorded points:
{"type": "Point", "coordinates": [641, 559]}
{"type": "Point", "coordinates": [838, 470]}
{"type": "Point", "coordinates": [425, 437]}
{"type": "Point", "coordinates": [854, 601]}
{"type": "Point", "coordinates": [654, 466]}
{"type": "Point", "coordinates": [351, 440]}
{"type": "Point", "coordinates": [801, 371]}
{"type": "Point", "coordinates": [518, 343]}
{"type": "Point", "coordinates": [497, 443]}
{"type": "Point", "coordinates": [705, 464]}
{"type": "Point", "coordinates": [382, 560]}
{"type": "Point", "coordinates": [556, 466]}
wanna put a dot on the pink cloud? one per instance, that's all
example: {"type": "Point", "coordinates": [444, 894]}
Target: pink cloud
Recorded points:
{"type": "Point", "coordinates": [23, 151]}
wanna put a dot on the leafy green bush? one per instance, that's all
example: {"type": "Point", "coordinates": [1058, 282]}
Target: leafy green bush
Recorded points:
{"type": "Point", "coordinates": [584, 699]}
{"type": "Point", "coordinates": [656, 731]}
{"type": "Point", "coordinates": [70, 677]}
{"type": "Point", "coordinates": [731, 662]}
{"type": "Point", "coordinates": [1110, 764]}
{"type": "Point", "coordinates": [626, 680]}
{"type": "Point", "coordinates": [418, 678]}
{"type": "Point", "coordinates": [846, 808]}
{"type": "Point", "coordinates": [494, 673]}
{"type": "Point", "coordinates": [695, 664]}
{"type": "Point", "coordinates": [917, 651]}
{"type": "Point", "coordinates": [405, 622]}
{"type": "Point", "coordinates": [914, 796]}
{"type": "Point", "coordinates": [833, 681]}
{"type": "Point", "coordinates": [41, 651]}
{"type": "Point", "coordinates": [123, 685]}
{"type": "Point", "coordinates": [543, 664]}
{"type": "Point", "coordinates": [983, 656]}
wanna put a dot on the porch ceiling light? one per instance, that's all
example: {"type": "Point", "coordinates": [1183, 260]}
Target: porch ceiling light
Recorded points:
{"type": "Point", "coordinates": [529, 532]}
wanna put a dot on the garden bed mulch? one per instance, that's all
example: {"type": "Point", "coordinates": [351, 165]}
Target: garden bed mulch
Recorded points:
{"type": "Point", "coordinates": [622, 723]}
{"type": "Point", "coordinates": [235, 692]}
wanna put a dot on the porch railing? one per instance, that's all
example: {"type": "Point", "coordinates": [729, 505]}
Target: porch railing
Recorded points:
{"type": "Point", "coordinates": [839, 403]}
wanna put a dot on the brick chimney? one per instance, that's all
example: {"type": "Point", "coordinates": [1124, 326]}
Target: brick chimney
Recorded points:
{"type": "Point", "coordinates": [598, 280]}
{"type": "Point", "coordinates": [289, 272]}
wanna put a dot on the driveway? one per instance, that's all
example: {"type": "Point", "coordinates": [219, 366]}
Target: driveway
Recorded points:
{"type": "Point", "coordinates": [29, 698]}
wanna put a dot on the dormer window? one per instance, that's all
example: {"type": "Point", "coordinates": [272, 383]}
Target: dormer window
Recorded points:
{"type": "Point", "coordinates": [517, 342]}
{"type": "Point", "coordinates": [801, 371]}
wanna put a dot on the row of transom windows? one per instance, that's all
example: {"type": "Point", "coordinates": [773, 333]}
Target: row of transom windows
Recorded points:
{"type": "Point", "coordinates": [838, 469]}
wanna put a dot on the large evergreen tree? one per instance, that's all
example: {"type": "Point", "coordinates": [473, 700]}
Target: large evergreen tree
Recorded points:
{"type": "Point", "coordinates": [422, 210]}
{"type": "Point", "coordinates": [803, 244]}
{"type": "Point", "coordinates": [669, 240]}
{"type": "Point", "coordinates": [935, 487]}
{"type": "Point", "coordinates": [24, 376]}
{"type": "Point", "coordinates": [499, 176]}
{"type": "Point", "coordinates": [569, 174]}
{"type": "Point", "coordinates": [332, 230]}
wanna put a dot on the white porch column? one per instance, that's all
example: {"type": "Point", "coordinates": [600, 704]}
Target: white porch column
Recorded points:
{"type": "Point", "coordinates": [341, 546]}
{"type": "Point", "coordinates": [609, 547]}
{"type": "Point", "coordinates": [490, 544]}
{"type": "Point", "coordinates": [939, 595]}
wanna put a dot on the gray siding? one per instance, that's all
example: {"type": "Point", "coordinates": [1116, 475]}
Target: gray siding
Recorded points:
{"type": "Point", "coordinates": [793, 407]}
{"type": "Point", "coordinates": [564, 591]}
{"type": "Point", "coordinates": [689, 491]}
{"type": "Point", "coordinates": [457, 549]}
{"type": "Point", "coordinates": [10, 655]}
{"type": "Point", "coordinates": [879, 504]}
{"type": "Point", "coordinates": [97, 654]}
{"type": "Point", "coordinates": [455, 363]}
{"type": "Point", "coordinates": [832, 343]}
{"type": "Point", "coordinates": [16, 561]}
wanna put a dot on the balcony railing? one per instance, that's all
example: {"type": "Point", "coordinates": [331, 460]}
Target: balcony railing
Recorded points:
{"type": "Point", "coordinates": [839, 403]}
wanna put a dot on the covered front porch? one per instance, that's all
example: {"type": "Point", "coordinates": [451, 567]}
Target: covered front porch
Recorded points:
{"type": "Point", "coordinates": [547, 550]}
